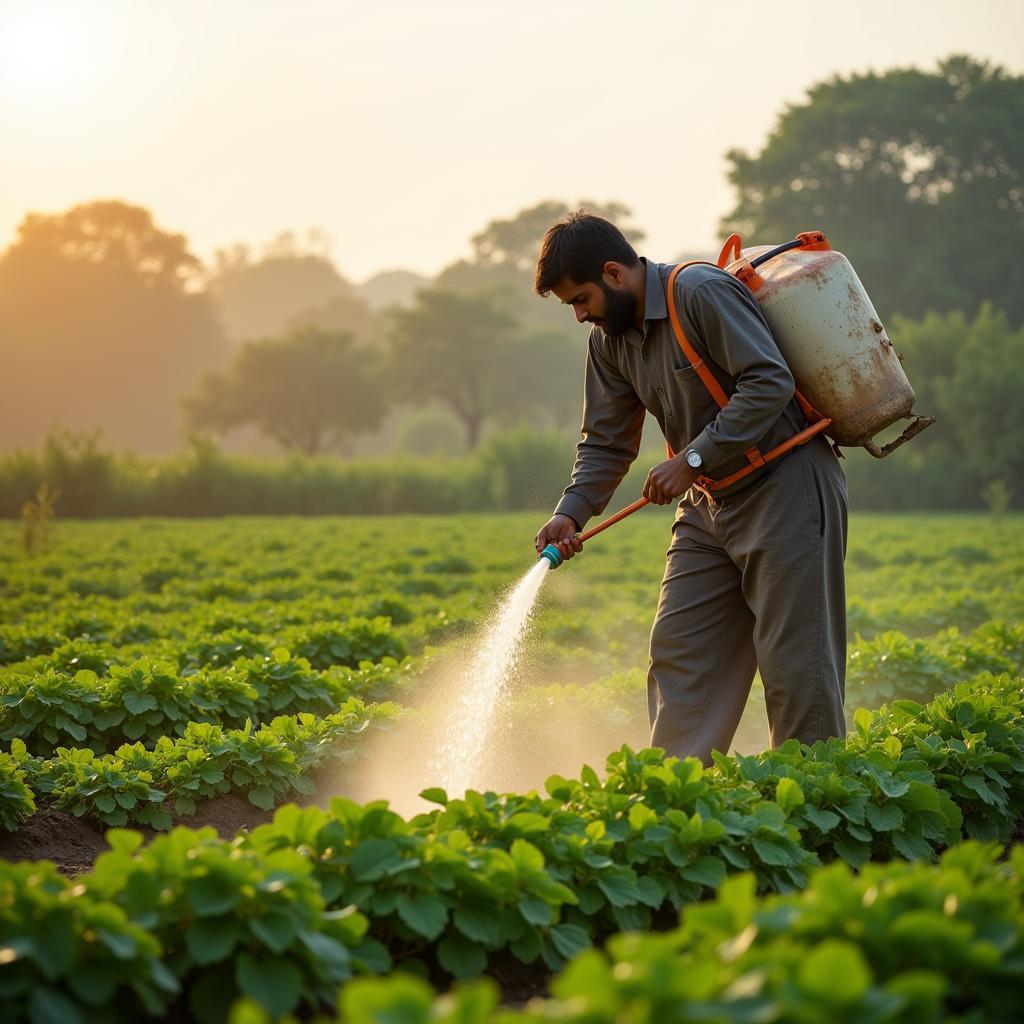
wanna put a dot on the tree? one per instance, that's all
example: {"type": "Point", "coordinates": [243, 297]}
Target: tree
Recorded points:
{"type": "Point", "coordinates": [347, 313]}
{"type": "Point", "coordinates": [451, 347]}
{"type": "Point", "coordinates": [516, 242]}
{"type": "Point", "coordinates": [505, 255]}
{"type": "Point", "coordinates": [260, 297]}
{"type": "Point", "coordinates": [102, 324]}
{"type": "Point", "coordinates": [970, 374]}
{"type": "Point", "coordinates": [307, 390]}
{"type": "Point", "coordinates": [468, 353]}
{"type": "Point", "coordinates": [916, 176]}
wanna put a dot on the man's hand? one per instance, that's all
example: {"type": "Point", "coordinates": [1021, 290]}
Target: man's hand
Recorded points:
{"type": "Point", "coordinates": [562, 531]}
{"type": "Point", "coordinates": [669, 480]}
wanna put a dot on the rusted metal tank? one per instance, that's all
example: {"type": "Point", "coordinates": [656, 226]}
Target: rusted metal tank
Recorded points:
{"type": "Point", "coordinates": [832, 338]}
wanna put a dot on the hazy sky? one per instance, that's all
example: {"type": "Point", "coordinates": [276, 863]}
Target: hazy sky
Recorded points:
{"type": "Point", "coordinates": [401, 128]}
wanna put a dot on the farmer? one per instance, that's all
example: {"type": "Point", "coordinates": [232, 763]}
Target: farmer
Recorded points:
{"type": "Point", "coordinates": [754, 574]}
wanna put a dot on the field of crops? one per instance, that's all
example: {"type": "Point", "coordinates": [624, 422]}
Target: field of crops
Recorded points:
{"type": "Point", "coordinates": [200, 722]}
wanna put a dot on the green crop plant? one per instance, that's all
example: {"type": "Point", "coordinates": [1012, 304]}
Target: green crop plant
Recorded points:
{"type": "Point", "coordinates": [137, 785]}
{"type": "Point", "coordinates": [898, 942]}
{"type": "Point", "coordinates": [48, 709]}
{"type": "Point", "coordinates": [17, 801]}
{"type": "Point", "coordinates": [349, 643]}
{"type": "Point", "coordinates": [181, 927]}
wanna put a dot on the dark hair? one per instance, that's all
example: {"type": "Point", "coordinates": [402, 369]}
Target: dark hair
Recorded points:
{"type": "Point", "coordinates": [577, 247]}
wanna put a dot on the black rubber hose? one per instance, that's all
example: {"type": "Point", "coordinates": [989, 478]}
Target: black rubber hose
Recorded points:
{"type": "Point", "coordinates": [777, 251]}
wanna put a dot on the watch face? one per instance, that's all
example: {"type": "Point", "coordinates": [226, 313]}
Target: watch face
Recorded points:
{"type": "Point", "coordinates": [694, 460]}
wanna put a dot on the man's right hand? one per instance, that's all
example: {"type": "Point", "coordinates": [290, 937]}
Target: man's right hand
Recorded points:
{"type": "Point", "coordinates": [562, 531]}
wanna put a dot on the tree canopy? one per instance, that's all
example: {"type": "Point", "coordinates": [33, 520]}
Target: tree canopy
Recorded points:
{"type": "Point", "coordinates": [917, 176]}
{"type": "Point", "coordinates": [970, 374]}
{"type": "Point", "coordinates": [260, 296]}
{"type": "Point", "coordinates": [102, 325]}
{"type": "Point", "coordinates": [444, 348]}
{"type": "Point", "coordinates": [516, 241]}
{"type": "Point", "coordinates": [307, 390]}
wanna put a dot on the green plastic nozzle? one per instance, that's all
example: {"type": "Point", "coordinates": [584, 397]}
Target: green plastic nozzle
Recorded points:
{"type": "Point", "coordinates": [553, 555]}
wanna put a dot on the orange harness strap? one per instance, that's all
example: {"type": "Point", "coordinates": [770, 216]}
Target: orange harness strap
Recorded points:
{"type": "Point", "coordinates": [817, 421]}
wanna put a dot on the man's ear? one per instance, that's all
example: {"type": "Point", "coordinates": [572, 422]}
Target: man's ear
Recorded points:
{"type": "Point", "coordinates": [613, 270]}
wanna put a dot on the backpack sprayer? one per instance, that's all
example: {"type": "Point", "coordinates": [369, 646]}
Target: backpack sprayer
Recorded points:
{"type": "Point", "coordinates": [833, 341]}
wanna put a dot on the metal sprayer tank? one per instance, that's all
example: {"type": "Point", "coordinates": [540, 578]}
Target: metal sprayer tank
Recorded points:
{"type": "Point", "coordinates": [832, 338]}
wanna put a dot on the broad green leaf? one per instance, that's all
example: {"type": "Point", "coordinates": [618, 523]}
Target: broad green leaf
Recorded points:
{"type": "Point", "coordinates": [884, 818]}
{"type": "Point", "coordinates": [853, 852]}
{"type": "Point", "coordinates": [536, 911]}
{"type": "Point", "coordinates": [526, 856]}
{"type": "Point", "coordinates": [424, 912]}
{"type": "Point", "coordinates": [275, 929]}
{"type": "Point", "coordinates": [569, 939]}
{"type": "Point", "coordinates": [94, 983]}
{"type": "Point", "coordinates": [460, 957]}
{"type": "Point", "coordinates": [706, 870]}
{"type": "Point", "coordinates": [331, 954]}
{"type": "Point", "coordinates": [640, 816]}
{"type": "Point", "coordinates": [55, 943]}
{"type": "Point", "coordinates": [137, 702]}
{"type": "Point", "coordinates": [478, 922]}
{"type": "Point", "coordinates": [911, 846]}
{"type": "Point", "coordinates": [121, 944]}
{"type": "Point", "coordinates": [772, 853]}
{"type": "Point", "coordinates": [823, 820]}
{"type": "Point", "coordinates": [48, 1006]}
{"type": "Point", "coordinates": [373, 859]}
{"type": "Point", "coordinates": [788, 794]}
{"type": "Point", "coordinates": [209, 939]}
{"type": "Point", "coordinates": [835, 972]}
{"type": "Point", "coordinates": [403, 1000]}
{"type": "Point", "coordinates": [275, 983]}
{"type": "Point", "coordinates": [262, 796]}
{"type": "Point", "coordinates": [529, 822]}
{"type": "Point", "coordinates": [619, 887]}
{"type": "Point", "coordinates": [211, 895]}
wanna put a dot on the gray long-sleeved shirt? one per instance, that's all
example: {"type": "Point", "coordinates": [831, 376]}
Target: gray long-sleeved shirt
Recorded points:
{"type": "Point", "coordinates": [647, 370]}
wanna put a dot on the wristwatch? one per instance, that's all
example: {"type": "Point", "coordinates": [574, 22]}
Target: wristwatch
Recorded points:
{"type": "Point", "coordinates": [693, 459]}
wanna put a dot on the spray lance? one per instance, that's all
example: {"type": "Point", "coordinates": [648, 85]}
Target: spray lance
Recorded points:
{"type": "Point", "coordinates": [554, 556]}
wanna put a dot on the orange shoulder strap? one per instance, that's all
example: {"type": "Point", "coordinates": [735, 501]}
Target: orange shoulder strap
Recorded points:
{"type": "Point", "coordinates": [754, 456]}
{"type": "Point", "coordinates": [689, 351]}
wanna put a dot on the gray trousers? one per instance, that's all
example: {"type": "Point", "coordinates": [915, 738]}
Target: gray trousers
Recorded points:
{"type": "Point", "coordinates": [754, 581]}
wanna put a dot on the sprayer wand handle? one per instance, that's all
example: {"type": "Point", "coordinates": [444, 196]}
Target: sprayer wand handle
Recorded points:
{"type": "Point", "coordinates": [612, 520]}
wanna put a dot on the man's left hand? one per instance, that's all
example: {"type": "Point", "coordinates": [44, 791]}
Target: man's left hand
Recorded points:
{"type": "Point", "coordinates": [669, 480]}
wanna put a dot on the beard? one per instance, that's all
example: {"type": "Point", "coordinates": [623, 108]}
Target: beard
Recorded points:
{"type": "Point", "coordinates": [619, 310]}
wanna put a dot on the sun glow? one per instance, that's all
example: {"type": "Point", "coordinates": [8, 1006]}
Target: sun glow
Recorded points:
{"type": "Point", "coordinates": [45, 56]}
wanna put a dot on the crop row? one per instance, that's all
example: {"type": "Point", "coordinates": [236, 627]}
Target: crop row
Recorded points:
{"type": "Point", "coordinates": [138, 785]}
{"type": "Point", "coordinates": [539, 878]}
{"type": "Point", "coordinates": [894, 665]}
{"type": "Point", "coordinates": [323, 644]}
{"type": "Point", "coordinates": [147, 700]}
{"type": "Point", "coordinates": [79, 696]}
{"type": "Point", "coordinates": [898, 942]}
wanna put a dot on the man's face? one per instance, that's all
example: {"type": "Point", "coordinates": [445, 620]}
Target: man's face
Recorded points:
{"type": "Point", "coordinates": [608, 305]}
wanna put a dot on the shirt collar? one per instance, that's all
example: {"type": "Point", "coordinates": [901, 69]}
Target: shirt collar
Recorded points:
{"type": "Point", "coordinates": [654, 293]}
{"type": "Point", "coordinates": [654, 302]}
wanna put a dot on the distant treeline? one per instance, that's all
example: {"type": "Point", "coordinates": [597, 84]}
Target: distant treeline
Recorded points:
{"type": "Point", "coordinates": [109, 322]}
{"type": "Point", "coordinates": [515, 469]}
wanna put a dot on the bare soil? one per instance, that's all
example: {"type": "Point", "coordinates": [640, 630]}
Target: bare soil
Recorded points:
{"type": "Point", "coordinates": [73, 844]}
